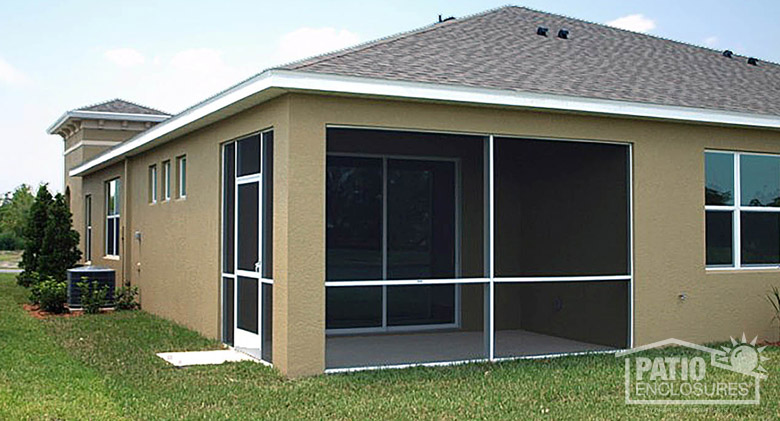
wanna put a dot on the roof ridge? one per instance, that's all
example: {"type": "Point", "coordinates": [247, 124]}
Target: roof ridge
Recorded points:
{"type": "Point", "coordinates": [83, 108]}
{"type": "Point", "coordinates": [319, 58]}
{"type": "Point", "coordinates": [654, 36]}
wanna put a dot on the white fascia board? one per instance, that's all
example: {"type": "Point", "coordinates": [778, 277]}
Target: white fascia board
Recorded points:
{"type": "Point", "coordinates": [287, 80]}
{"type": "Point", "coordinates": [105, 116]}
{"type": "Point", "coordinates": [472, 95]}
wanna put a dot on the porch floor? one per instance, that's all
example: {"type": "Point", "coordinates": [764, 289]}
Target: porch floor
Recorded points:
{"type": "Point", "coordinates": [411, 348]}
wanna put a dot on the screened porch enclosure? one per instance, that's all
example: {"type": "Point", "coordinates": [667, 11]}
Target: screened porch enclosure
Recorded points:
{"type": "Point", "coordinates": [452, 247]}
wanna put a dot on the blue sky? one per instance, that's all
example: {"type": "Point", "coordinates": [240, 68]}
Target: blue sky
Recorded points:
{"type": "Point", "coordinates": [60, 55]}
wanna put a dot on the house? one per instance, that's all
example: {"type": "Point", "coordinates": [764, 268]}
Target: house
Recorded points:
{"type": "Point", "coordinates": [509, 184]}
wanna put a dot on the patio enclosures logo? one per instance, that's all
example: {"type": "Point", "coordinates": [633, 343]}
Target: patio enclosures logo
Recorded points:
{"type": "Point", "coordinates": [703, 376]}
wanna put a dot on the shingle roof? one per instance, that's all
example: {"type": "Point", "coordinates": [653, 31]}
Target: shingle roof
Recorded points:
{"type": "Point", "coordinates": [500, 49]}
{"type": "Point", "coordinates": [121, 106]}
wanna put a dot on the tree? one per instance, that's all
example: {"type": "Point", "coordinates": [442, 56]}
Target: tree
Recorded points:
{"type": "Point", "coordinates": [59, 247]}
{"type": "Point", "coordinates": [14, 209]}
{"type": "Point", "coordinates": [34, 230]}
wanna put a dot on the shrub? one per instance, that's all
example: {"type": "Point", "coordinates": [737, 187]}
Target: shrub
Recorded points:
{"type": "Point", "coordinates": [27, 279]}
{"type": "Point", "coordinates": [92, 295]}
{"type": "Point", "coordinates": [51, 294]}
{"type": "Point", "coordinates": [126, 298]}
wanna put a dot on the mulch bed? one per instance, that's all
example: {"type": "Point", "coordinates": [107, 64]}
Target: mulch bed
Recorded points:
{"type": "Point", "coordinates": [35, 311]}
{"type": "Point", "coordinates": [767, 343]}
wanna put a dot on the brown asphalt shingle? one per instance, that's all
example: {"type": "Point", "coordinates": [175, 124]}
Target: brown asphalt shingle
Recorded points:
{"type": "Point", "coordinates": [500, 49]}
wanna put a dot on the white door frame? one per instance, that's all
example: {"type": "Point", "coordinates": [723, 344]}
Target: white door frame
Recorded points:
{"type": "Point", "coordinates": [244, 338]}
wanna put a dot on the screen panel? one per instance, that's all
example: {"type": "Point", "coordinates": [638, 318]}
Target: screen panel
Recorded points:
{"type": "Point", "coordinates": [228, 207]}
{"type": "Point", "coordinates": [420, 305]}
{"type": "Point", "coordinates": [228, 297]}
{"type": "Point", "coordinates": [354, 218]}
{"type": "Point", "coordinates": [247, 304]}
{"type": "Point", "coordinates": [421, 219]}
{"type": "Point", "coordinates": [248, 156]}
{"type": "Point", "coordinates": [268, 322]}
{"type": "Point", "coordinates": [268, 204]}
{"type": "Point", "coordinates": [248, 210]}
{"type": "Point", "coordinates": [562, 208]}
{"type": "Point", "coordinates": [353, 307]}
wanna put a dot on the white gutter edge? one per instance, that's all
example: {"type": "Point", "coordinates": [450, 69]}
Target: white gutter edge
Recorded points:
{"type": "Point", "coordinates": [105, 116]}
{"type": "Point", "coordinates": [297, 80]}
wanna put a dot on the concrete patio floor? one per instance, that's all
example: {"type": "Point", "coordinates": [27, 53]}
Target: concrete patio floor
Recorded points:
{"type": "Point", "coordinates": [429, 347]}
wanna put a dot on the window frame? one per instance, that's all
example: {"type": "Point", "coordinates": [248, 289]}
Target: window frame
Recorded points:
{"type": "Point", "coordinates": [152, 184]}
{"type": "Point", "coordinates": [181, 177]}
{"type": "Point", "coordinates": [166, 167]}
{"type": "Point", "coordinates": [736, 209]}
{"type": "Point", "coordinates": [112, 250]}
{"type": "Point", "coordinates": [88, 228]}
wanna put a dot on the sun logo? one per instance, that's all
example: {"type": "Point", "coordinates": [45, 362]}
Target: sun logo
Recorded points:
{"type": "Point", "coordinates": [743, 357]}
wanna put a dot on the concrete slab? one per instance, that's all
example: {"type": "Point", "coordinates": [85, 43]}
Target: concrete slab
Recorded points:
{"type": "Point", "coordinates": [442, 346]}
{"type": "Point", "coordinates": [216, 357]}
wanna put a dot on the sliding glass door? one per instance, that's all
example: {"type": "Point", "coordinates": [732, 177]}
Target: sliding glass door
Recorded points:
{"type": "Point", "coordinates": [390, 219]}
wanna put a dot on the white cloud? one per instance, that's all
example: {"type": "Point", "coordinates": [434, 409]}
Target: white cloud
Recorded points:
{"type": "Point", "coordinates": [307, 42]}
{"type": "Point", "coordinates": [711, 41]}
{"type": "Point", "coordinates": [125, 57]}
{"type": "Point", "coordinates": [637, 23]}
{"type": "Point", "coordinates": [10, 75]}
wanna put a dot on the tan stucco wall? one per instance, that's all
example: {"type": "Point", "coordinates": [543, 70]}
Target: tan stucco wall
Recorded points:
{"type": "Point", "coordinates": [179, 250]}
{"type": "Point", "coordinates": [668, 200]}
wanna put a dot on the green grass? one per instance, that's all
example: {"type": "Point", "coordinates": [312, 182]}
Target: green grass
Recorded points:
{"type": "Point", "coordinates": [104, 367]}
{"type": "Point", "coordinates": [10, 259]}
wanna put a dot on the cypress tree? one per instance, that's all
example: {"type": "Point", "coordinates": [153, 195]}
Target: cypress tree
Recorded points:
{"type": "Point", "coordinates": [33, 234]}
{"type": "Point", "coordinates": [59, 248]}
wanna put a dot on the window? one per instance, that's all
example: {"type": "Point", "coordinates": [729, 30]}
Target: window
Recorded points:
{"type": "Point", "coordinates": [112, 216]}
{"type": "Point", "coordinates": [390, 219]}
{"type": "Point", "coordinates": [181, 176]}
{"type": "Point", "coordinates": [166, 167]}
{"type": "Point", "coordinates": [742, 206]}
{"type": "Point", "coordinates": [88, 228]}
{"type": "Point", "coordinates": [153, 184]}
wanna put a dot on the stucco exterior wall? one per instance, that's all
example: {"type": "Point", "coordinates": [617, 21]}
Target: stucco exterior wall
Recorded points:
{"type": "Point", "coordinates": [179, 252]}
{"type": "Point", "coordinates": [668, 203]}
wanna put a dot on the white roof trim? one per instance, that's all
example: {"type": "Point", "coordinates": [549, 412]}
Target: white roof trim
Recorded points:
{"type": "Point", "coordinates": [302, 81]}
{"type": "Point", "coordinates": [105, 116]}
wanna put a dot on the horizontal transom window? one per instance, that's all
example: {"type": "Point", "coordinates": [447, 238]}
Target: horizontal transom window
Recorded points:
{"type": "Point", "coordinates": [742, 206]}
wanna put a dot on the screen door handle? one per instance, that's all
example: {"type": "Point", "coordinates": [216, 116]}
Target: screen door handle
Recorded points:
{"type": "Point", "coordinates": [257, 266]}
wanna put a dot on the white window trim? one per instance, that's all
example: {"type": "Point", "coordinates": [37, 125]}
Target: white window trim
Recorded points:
{"type": "Point", "coordinates": [153, 183]}
{"type": "Point", "coordinates": [181, 182]}
{"type": "Point", "coordinates": [166, 180]}
{"type": "Point", "coordinates": [736, 213]}
{"type": "Point", "coordinates": [110, 218]}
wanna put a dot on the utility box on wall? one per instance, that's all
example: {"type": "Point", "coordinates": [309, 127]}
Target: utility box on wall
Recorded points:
{"type": "Point", "coordinates": [105, 277]}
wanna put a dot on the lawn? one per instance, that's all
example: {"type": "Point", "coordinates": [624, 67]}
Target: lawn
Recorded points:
{"type": "Point", "coordinates": [104, 367]}
{"type": "Point", "coordinates": [10, 259]}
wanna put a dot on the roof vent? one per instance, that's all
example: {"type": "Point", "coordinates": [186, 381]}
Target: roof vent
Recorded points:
{"type": "Point", "coordinates": [446, 19]}
{"type": "Point", "coordinates": [563, 34]}
{"type": "Point", "coordinates": [542, 31]}
{"type": "Point", "coordinates": [753, 61]}
{"type": "Point", "coordinates": [728, 53]}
